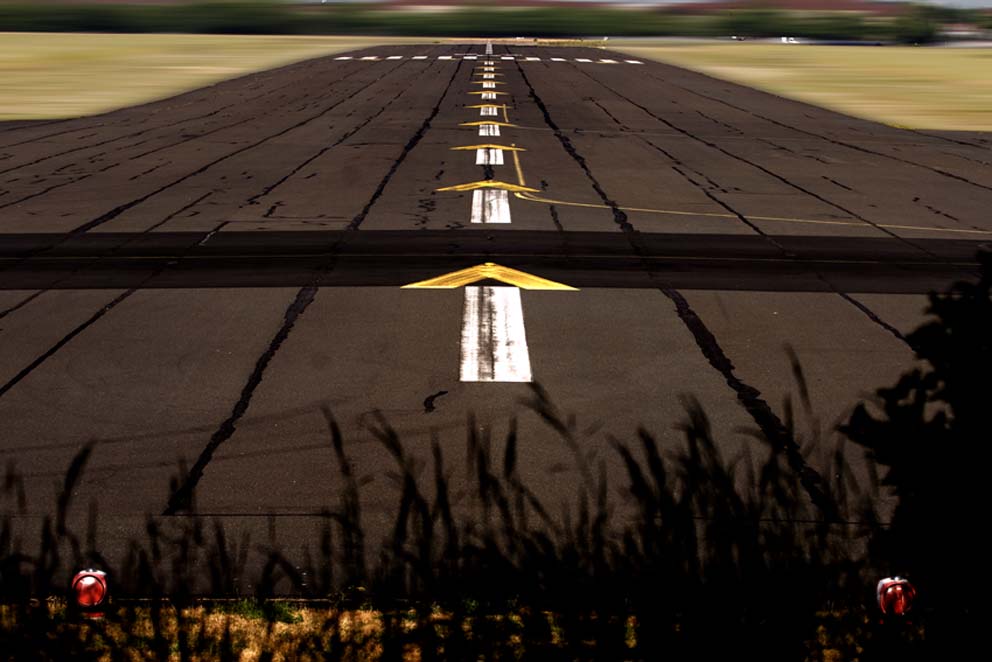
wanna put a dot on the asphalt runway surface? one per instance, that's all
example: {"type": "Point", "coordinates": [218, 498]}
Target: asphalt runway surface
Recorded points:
{"type": "Point", "coordinates": [188, 282]}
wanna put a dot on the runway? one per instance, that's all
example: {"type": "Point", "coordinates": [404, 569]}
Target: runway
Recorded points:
{"type": "Point", "coordinates": [188, 282]}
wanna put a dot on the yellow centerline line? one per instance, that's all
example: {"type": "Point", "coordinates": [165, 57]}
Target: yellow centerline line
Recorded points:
{"type": "Point", "coordinates": [516, 164]}
{"type": "Point", "coordinates": [780, 219]}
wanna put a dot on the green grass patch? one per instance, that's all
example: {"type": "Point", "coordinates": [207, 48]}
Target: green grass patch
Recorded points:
{"type": "Point", "coordinates": [81, 74]}
{"type": "Point", "coordinates": [919, 88]}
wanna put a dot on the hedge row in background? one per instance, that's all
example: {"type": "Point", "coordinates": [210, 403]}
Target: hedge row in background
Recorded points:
{"type": "Point", "coordinates": [919, 26]}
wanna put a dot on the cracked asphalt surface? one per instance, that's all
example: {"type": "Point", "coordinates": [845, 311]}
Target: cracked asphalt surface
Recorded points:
{"type": "Point", "coordinates": [186, 283]}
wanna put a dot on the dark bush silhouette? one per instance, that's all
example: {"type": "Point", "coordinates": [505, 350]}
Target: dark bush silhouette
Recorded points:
{"type": "Point", "coordinates": [928, 436]}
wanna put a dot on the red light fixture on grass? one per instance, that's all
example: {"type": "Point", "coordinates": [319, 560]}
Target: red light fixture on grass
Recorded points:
{"type": "Point", "coordinates": [895, 596]}
{"type": "Point", "coordinates": [90, 592]}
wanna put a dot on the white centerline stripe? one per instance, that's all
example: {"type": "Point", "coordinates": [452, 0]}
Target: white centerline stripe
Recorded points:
{"type": "Point", "coordinates": [533, 59]}
{"type": "Point", "coordinates": [633, 62]}
{"type": "Point", "coordinates": [489, 76]}
{"type": "Point", "coordinates": [419, 57]}
{"type": "Point", "coordinates": [490, 206]}
{"type": "Point", "coordinates": [444, 57]}
{"type": "Point", "coordinates": [488, 96]}
{"type": "Point", "coordinates": [489, 111]}
{"type": "Point", "coordinates": [582, 59]}
{"type": "Point", "coordinates": [488, 63]}
{"type": "Point", "coordinates": [395, 57]}
{"type": "Point", "coordinates": [507, 57]}
{"type": "Point", "coordinates": [371, 57]}
{"type": "Point", "coordinates": [489, 85]}
{"type": "Point", "coordinates": [488, 156]}
{"type": "Point", "coordinates": [471, 57]}
{"type": "Point", "coordinates": [558, 59]}
{"type": "Point", "coordinates": [489, 129]}
{"type": "Point", "coordinates": [608, 61]}
{"type": "Point", "coordinates": [494, 339]}
{"type": "Point", "coordinates": [343, 57]}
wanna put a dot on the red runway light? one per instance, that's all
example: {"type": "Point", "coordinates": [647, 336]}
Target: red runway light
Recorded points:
{"type": "Point", "coordinates": [895, 596]}
{"type": "Point", "coordinates": [89, 588]}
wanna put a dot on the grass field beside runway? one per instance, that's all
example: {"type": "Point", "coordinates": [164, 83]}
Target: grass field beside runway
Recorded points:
{"type": "Point", "coordinates": [918, 88]}
{"type": "Point", "coordinates": [54, 76]}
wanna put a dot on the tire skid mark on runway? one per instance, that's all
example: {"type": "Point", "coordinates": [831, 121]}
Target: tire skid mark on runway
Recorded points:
{"type": "Point", "coordinates": [758, 166]}
{"type": "Point", "coordinates": [182, 499]}
{"type": "Point", "coordinates": [748, 396]}
{"type": "Point", "coordinates": [833, 141]}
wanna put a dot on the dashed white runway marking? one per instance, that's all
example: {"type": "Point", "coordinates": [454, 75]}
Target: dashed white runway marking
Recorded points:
{"type": "Point", "coordinates": [489, 48]}
{"type": "Point", "coordinates": [488, 63]}
{"type": "Point", "coordinates": [488, 76]}
{"type": "Point", "coordinates": [489, 111]}
{"type": "Point", "coordinates": [490, 206]}
{"type": "Point", "coordinates": [489, 85]}
{"type": "Point", "coordinates": [494, 339]}
{"type": "Point", "coordinates": [489, 130]}
{"type": "Point", "coordinates": [488, 156]}
{"type": "Point", "coordinates": [488, 96]}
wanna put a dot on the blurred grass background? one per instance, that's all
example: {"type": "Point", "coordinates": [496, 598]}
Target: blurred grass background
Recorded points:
{"type": "Point", "coordinates": [919, 88]}
{"type": "Point", "coordinates": [46, 76]}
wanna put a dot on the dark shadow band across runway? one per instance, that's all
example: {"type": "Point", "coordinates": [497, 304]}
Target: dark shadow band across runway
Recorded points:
{"type": "Point", "coordinates": [396, 258]}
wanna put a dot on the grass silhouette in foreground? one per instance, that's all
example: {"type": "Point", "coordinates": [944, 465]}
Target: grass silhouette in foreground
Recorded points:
{"type": "Point", "coordinates": [694, 557]}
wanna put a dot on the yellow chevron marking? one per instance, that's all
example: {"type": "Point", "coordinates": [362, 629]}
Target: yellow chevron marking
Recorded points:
{"type": "Point", "coordinates": [489, 271]}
